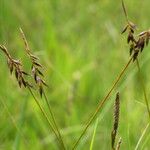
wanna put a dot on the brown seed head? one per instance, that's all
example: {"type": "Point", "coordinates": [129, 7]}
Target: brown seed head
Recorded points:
{"type": "Point", "coordinates": [16, 66]}
{"type": "Point", "coordinates": [36, 66]}
{"type": "Point", "coordinates": [116, 119]}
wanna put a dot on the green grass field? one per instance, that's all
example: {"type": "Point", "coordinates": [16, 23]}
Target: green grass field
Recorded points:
{"type": "Point", "coordinates": [80, 45]}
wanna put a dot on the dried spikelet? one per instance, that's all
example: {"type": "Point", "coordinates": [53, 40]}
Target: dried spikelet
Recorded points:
{"type": "Point", "coordinates": [40, 82]}
{"type": "Point", "coordinates": [136, 45]}
{"type": "Point", "coordinates": [36, 66]}
{"type": "Point", "coordinates": [132, 47]}
{"type": "Point", "coordinates": [124, 29]}
{"type": "Point", "coordinates": [116, 120]}
{"type": "Point", "coordinates": [119, 144]}
{"type": "Point", "coordinates": [142, 41]}
{"type": "Point", "coordinates": [144, 38]}
{"type": "Point", "coordinates": [132, 41]}
{"type": "Point", "coordinates": [135, 55]}
{"type": "Point", "coordinates": [17, 66]}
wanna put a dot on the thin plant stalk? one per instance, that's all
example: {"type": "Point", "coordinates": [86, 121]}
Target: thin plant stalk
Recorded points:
{"type": "Point", "coordinates": [141, 137]}
{"type": "Point", "coordinates": [53, 118]}
{"type": "Point", "coordinates": [124, 10]}
{"type": "Point", "coordinates": [100, 105]}
{"type": "Point", "coordinates": [94, 134]}
{"type": "Point", "coordinates": [19, 73]}
{"type": "Point", "coordinates": [46, 117]}
{"type": "Point", "coordinates": [27, 49]}
{"type": "Point", "coordinates": [138, 66]}
{"type": "Point", "coordinates": [143, 87]}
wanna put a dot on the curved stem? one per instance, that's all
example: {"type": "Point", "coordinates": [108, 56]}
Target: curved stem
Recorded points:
{"type": "Point", "coordinates": [54, 121]}
{"type": "Point", "coordinates": [141, 137]}
{"type": "Point", "coordinates": [100, 105]}
{"type": "Point", "coordinates": [143, 87]}
{"type": "Point", "coordinates": [44, 114]}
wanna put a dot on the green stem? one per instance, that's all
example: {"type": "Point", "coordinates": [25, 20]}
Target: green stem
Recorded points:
{"type": "Point", "coordinates": [143, 87]}
{"type": "Point", "coordinates": [101, 103]}
{"type": "Point", "coordinates": [54, 121]}
{"type": "Point", "coordinates": [44, 114]}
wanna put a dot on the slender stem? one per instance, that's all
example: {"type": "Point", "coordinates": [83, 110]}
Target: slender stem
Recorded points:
{"type": "Point", "coordinates": [49, 107]}
{"type": "Point", "coordinates": [44, 114]}
{"type": "Point", "coordinates": [53, 118]}
{"type": "Point", "coordinates": [143, 87]}
{"type": "Point", "coordinates": [101, 103]}
{"type": "Point", "coordinates": [124, 10]}
{"type": "Point", "coordinates": [141, 137]}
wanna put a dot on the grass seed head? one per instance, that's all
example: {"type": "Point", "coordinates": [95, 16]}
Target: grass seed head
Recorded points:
{"type": "Point", "coordinates": [116, 120]}
{"type": "Point", "coordinates": [16, 67]}
{"type": "Point", "coordinates": [36, 66]}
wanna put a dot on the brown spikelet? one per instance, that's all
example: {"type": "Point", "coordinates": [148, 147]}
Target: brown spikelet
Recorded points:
{"type": "Point", "coordinates": [124, 29]}
{"type": "Point", "coordinates": [36, 66]}
{"type": "Point", "coordinates": [132, 47]}
{"type": "Point", "coordinates": [147, 40]}
{"type": "Point", "coordinates": [17, 66]}
{"type": "Point", "coordinates": [135, 55]}
{"type": "Point", "coordinates": [116, 120]}
{"type": "Point", "coordinates": [10, 66]}
{"type": "Point", "coordinates": [41, 90]}
{"type": "Point", "coordinates": [136, 44]}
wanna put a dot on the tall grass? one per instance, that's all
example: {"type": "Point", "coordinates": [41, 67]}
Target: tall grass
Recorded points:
{"type": "Point", "coordinates": [72, 38]}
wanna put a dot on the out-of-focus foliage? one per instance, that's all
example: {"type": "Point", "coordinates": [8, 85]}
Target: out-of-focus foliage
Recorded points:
{"type": "Point", "coordinates": [82, 51]}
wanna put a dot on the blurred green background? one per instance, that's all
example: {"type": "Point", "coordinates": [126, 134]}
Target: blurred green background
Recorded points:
{"type": "Point", "coordinates": [82, 51]}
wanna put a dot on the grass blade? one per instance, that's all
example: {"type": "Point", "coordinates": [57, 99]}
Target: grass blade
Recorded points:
{"type": "Point", "coordinates": [53, 118]}
{"type": "Point", "coordinates": [46, 117]}
{"type": "Point", "coordinates": [141, 137]}
{"type": "Point", "coordinates": [94, 133]}
{"type": "Point", "coordinates": [100, 105]}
